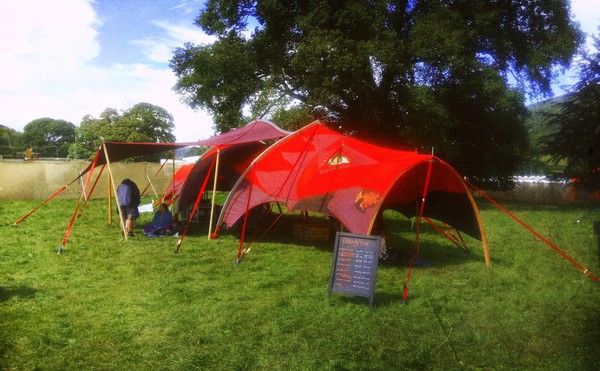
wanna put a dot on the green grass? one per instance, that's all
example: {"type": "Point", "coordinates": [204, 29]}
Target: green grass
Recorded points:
{"type": "Point", "coordinates": [105, 303]}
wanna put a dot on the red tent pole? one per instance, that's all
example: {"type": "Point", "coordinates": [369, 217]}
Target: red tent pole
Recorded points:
{"type": "Point", "coordinates": [416, 252]}
{"type": "Point", "coordinates": [48, 200]}
{"type": "Point", "coordinates": [450, 237]}
{"type": "Point", "coordinates": [91, 191]}
{"type": "Point", "coordinates": [198, 198]}
{"type": "Point", "coordinates": [546, 241]}
{"type": "Point", "coordinates": [43, 203]}
{"type": "Point", "coordinates": [70, 227]}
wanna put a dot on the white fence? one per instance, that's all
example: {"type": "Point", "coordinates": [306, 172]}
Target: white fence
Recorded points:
{"type": "Point", "coordinates": [40, 179]}
{"type": "Point", "coordinates": [23, 180]}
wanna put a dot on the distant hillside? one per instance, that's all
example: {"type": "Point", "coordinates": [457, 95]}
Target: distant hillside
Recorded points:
{"type": "Point", "coordinates": [537, 126]}
{"type": "Point", "coordinates": [537, 122]}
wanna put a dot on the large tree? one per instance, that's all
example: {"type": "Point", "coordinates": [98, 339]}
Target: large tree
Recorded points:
{"type": "Point", "coordinates": [576, 123]}
{"type": "Point", "coordinates": [143, 122]}
{"type": "Point", "coordinates": [412, 73]}
{"type": "Point", "coordinates": [10, 142]}
{"type": "Point", "coordinates": [49, 137]}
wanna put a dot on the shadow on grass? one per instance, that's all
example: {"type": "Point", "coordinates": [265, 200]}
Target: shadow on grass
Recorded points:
{"type": "Point", "coordinates": [383, 299]}
{"type": "Point", "coordinates": [21, 291]}
{"type": "Point", "coordinates": [435, 251]}
{"type": "Point", "coordinates": [591, 338]}
{"type": "Point", "coordinates": [380, 299]}
{"type": "Point", "coordinates": [338, 298]}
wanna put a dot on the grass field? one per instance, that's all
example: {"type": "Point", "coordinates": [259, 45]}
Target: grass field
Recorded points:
{"type": "Point", "coordinates": [108, 304]}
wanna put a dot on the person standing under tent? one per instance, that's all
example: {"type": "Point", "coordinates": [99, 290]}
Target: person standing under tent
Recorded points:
{"type": "Point", "coordinates": [128, 194]}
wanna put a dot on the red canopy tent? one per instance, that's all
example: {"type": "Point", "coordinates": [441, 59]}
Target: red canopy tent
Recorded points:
{"type": "Point", "coordinates": [113, 152]}
{"type": "Point", "coordinates": [108, 152]}
{"type": "Point", "coordinates": [228, 157]}
{"type": "Point", "coordinates": [317, 169]}
{"type": "Point", "coordinates": [233, 160]}
{"type": "Point", "coordinates": [253, 131]}
{"type": "Point", "coordinates": [237, 149]}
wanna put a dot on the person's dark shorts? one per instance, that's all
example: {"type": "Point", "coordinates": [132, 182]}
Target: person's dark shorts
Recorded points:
{"type": "Point", "coordinates": [131, 212]}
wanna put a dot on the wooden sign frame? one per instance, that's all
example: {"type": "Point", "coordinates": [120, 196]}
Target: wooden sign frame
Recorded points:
{"type": "Point", "coordinates": [354, 266]}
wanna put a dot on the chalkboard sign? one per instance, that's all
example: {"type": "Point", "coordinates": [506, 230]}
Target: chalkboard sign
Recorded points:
{"type": "Point", "coordinates": [354, 266]}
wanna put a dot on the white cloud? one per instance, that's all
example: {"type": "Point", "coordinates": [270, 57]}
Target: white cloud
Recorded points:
{"type": "Point", "coordinates": [48, 68]}
{"type": "Point", "coordinates": [160, 49]}
{"type": "Point", "coordinates": [49, 65]}
{"type": "Point", "coordinates": [38, 48]}
{"type": "Point", "coordinates": [183, 33]}
{"type": "Point", "coordinates": [587, 13]}
{"type": "Point", "coordinates": [588, 17]}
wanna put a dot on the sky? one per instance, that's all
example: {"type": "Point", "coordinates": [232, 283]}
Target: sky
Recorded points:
{"type": "Point", "coordinates": [65, 59]}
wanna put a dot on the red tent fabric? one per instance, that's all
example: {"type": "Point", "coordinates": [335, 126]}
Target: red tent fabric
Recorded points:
{"type": "Point", "coordinates": [110, 152]}
{"type": "Point", "coordinates": [317, 169]}
{"type": "Point", "coordinates": [233, 161]}
{"type": "Point", "coordinates": [229, 155]}
{"type": "Point", "coordinates": [118, 151]}
{"type": "Point", "coordinates": [237, 147]}
{"type": "Point", "coordinates": [254, 131]}
{"type": "Point", "coordinates": [173, 190]}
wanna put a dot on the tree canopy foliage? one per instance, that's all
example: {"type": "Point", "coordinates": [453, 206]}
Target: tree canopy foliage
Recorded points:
{"type": "Point", "coordinates": [412, 73]}
{"type": "Point", "coordinates": [143, 122]}
{"type": "Point", "coordinates": [9, 140]}
{"type": "Point", "coordinates": [576, 123]}
{"type": "Point", "coordinates": [49, 137]}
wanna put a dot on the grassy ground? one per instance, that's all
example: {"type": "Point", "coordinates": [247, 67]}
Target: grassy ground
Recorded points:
{"type": "Point", "coordinates": [109, 304]}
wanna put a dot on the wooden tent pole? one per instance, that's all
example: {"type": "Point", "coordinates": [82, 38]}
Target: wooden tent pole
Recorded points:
{"type": "Point", "coordinates": [173, 178]}
{"type": "Point", "coordinates": [109, 198]}
{"type": "Point", "coordinates": [173, 183]}
{"type": "Point", "coordinates": [82, 186]}
{"type": "Point", "coordinates": [212, 206]}
{"type": "Point", "coordinates": [466, 185]}
{"type": "Point", "coordinates": [151, 185]}
{"type": "Point", "coordinates": [121, 221]}
{"type": "Point", "coordinates": [486, 251]}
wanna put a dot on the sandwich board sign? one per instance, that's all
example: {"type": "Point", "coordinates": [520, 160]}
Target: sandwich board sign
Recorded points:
{"type": "Point", "coordinates": [354, 266]}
